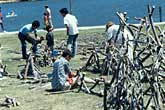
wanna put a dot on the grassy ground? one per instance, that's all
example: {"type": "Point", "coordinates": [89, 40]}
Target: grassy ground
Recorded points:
{"type": "Point", "coordinates": [36, 99]}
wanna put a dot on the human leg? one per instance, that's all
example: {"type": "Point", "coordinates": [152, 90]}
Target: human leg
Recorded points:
{"type": "Point", "coordinates": [23, 44]}
{"type": "Point", "coordinates": [74, 49]}
{"type": "Point", "coordinates": [33, 42]}
{"type": "Point", "coordinates": [70, 42]}
{"type": "Point", "coordinates": [2, 27]}
{"type": "Point", "coordinates": [66, 86]}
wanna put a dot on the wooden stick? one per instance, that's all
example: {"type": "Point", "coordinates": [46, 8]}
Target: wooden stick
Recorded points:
{"type": "Point", "coordinates": [60, 92]}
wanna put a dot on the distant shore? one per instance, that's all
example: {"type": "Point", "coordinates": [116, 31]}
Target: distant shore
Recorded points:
{"type": "Point", "coordinates": [80, 28]}
{"type": "Point", "coordinates": [8, 1]}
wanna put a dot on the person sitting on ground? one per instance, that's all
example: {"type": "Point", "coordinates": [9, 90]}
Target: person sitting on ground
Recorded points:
{"type": "Point", "coordinates": [24, 36]}
{"type": "Point", "coordinates": [62, 71]}
{"type": "Point", "coordinates": [62, 77]}
{"type": "Point", "coordinates": [50, 37]}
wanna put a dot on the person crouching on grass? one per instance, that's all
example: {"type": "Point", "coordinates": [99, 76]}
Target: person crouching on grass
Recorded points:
{"type": "Point", "coordinates": [24, 36]}
{"type": "Point", "coordinates": [62, 74]}
{"type": "Point", "coordinates": [50, 37]}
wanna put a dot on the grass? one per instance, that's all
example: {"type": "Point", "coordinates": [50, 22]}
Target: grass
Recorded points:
{"type": "Point", "coordinates": [36, 99]}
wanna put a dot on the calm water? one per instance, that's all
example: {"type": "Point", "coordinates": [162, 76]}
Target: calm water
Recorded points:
{"type": "Point", "coordinates": [88, 12]}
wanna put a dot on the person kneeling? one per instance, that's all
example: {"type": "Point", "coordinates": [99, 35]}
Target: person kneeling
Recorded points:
{"type": "Point", "coordinates": [63, 77]}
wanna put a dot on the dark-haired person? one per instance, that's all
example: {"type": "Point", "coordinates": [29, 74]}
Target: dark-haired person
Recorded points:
{"type": "Point", "coordinates": [61, 72]}
{"type": "Point", "coordinates": [24, 36]}
{"type": "Point", "coordinates": [50, 37]}
{"type": "Point", "coordinates": [71, 24]}
{"type": "Point", "coordinates": [62, 77]}
{"type": "Point", "coordinates": [48, 13]}
{"type": "Point", "coordinates": [1, 20]}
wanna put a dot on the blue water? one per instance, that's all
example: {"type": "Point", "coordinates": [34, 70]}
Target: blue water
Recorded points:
{"type": "Point", "coordinates": [88, 12]}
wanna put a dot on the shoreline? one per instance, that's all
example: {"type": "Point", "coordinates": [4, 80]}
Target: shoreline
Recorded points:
{"type": "Point", "coordinates": [8, 1]}
{"type": "Point", "coordinates": [80, 28]}
{"type": "Point", "coordinates": [13, 1]}
{"type": "Point", "coordinates": [56, 29]}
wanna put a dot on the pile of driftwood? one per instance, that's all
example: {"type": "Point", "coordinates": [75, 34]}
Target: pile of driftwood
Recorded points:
{"type": "Point", "coordinates": [135, 83]}
{"type": "Point", "coordinates": [10, 102]}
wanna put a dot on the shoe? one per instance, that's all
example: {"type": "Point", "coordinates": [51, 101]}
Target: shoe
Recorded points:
{"type": "Point", "coordinates": [24, 58]}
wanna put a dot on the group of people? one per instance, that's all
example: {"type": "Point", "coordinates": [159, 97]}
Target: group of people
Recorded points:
{"type": "Point", "coordinates": [70, 22]}
{"type": "Point", "coordinates": [63, 78]}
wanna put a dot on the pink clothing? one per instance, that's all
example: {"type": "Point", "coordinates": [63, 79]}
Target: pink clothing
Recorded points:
{"type": "Point", "coordinates": [0, 17]}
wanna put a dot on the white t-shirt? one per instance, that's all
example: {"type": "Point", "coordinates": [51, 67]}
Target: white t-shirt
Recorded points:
{"type": "Point", "coordinates": [72, 23]}
{"type": "Point", "coordinates": [112, 31]}
{"type": "Point", "coordinates": [48, 11]}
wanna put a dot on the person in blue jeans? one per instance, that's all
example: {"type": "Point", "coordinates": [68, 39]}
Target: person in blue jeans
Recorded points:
{"type": "Point", "coordinates": [24, 36]}
{"type": "Point", "coordinates": [71, 24]}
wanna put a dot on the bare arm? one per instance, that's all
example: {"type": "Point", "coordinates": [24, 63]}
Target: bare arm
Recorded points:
{"type": "Point", "coordinates": [67, 29]}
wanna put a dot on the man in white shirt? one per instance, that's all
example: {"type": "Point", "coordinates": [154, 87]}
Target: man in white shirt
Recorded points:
{"type": "Point", "coordinates": [118, 39]}
{"type": "Point", "coordinates": [48, 13]}
{"type": "Point", "coordinates": [71, 24]}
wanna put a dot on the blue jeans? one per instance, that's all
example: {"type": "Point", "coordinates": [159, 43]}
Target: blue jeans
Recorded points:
{"type": "Point", "coordinates": [31, 40]}
{"type": "Point", "coordinates": [72, 44]}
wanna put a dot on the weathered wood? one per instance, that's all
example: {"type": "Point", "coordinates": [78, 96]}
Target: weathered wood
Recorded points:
{"type": "Point", "coordinates": [60, 92]}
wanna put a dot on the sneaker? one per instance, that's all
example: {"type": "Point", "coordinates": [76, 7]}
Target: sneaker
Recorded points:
{"type": "Point", "coordinates": [24, 57]}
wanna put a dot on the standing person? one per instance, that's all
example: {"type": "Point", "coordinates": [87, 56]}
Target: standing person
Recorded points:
{"type": "Point", "coordinates": [71, 24]}
{"type": "Point", "coordinates": [24, 36]}
{"type": "Point", "coordinates": [46, 22]}
{"type": "Point", "coordinates": [117, 38]}
{"type": "Point", "coordinates": [50, 37]}
{"type": "Point", "coordinates": [1, 20]}
{"type": "Point", "coordinates": [48, 13]}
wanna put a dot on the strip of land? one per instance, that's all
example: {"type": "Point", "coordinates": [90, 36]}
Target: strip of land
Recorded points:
{"type": "Point", "coordinates": [80, 28]}
{"type": "Point", "coordinates": [7, 1]}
